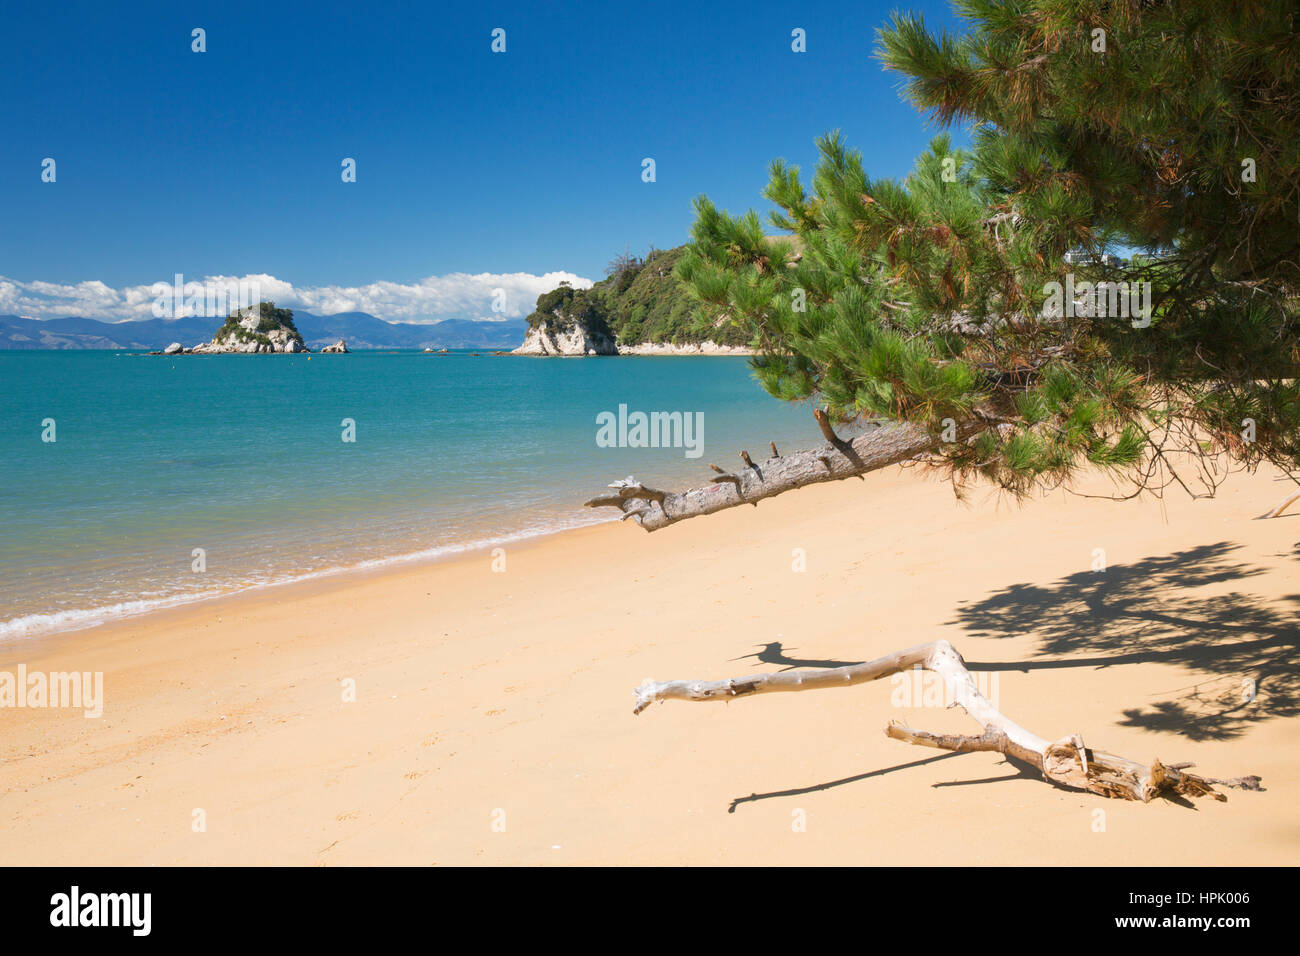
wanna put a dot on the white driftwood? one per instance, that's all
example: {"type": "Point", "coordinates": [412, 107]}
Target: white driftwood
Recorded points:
{"type": "Point", "coordinates": [1066, 762]}
{"type": "Point", "coordinates": [1286, 502]}
{"type": "Point", "coordinates": [880, 446]}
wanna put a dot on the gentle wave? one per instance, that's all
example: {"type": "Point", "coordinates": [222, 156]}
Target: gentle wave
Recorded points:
{"type": "Point", "coordinates": [37, 625]}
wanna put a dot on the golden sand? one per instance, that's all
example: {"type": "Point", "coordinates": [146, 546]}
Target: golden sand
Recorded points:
{"type": "Point", "coordinates": [493, 715]}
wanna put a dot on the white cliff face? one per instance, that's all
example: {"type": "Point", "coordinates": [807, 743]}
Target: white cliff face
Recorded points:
{"type": "Point", "coordinates": [574, 341]}
{"type": "Point", "coordinates": [579, 342]}
{"type": "Point", "coordinates": [279, 340]}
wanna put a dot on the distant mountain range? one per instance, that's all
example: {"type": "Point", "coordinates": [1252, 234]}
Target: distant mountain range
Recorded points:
{"type": "Point", "coordinates": [360, 329]}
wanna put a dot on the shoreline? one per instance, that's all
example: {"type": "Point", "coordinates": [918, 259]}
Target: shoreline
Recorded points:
{"type": "Point", "coordinates": [582, 349]}
{"type": "Point", "coordinates": [88, 619]}
{"type": "Point", "coordinates": [703, 348]}
{"type": "Point", "coordinates": [305, 587]}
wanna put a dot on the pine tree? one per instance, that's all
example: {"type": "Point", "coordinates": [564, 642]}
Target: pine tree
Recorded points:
{"type": "Point", "coordinates": [1171, 129]}
{"type": "Point", "coordinates": [947, 304]}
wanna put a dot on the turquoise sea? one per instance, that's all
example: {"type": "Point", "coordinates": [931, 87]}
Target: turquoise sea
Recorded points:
{"type": "Point", "coordinates": [242, 456]}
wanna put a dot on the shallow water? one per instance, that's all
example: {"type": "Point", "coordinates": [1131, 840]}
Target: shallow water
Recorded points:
{"type": "Point", "coordinates": [242, 456]}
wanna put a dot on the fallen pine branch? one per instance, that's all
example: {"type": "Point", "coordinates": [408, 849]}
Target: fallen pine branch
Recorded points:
{"type": "Point", "coordinates": [879, 447]}
{"type": "Point", "coordinates": [1066, 762]}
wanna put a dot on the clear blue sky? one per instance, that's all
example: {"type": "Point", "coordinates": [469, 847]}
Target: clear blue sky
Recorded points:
{"type": "Point", "coordinates": [228, 162]}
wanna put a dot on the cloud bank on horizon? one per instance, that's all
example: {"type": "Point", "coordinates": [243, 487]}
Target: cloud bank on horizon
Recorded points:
{"type": "Point", "coordinates": [483, 296]}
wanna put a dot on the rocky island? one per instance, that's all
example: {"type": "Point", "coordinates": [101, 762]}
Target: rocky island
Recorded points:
{"type": "Point", "coordinates": [255, 329]}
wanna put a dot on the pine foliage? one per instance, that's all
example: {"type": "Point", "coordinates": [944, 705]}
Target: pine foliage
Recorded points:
{"type": "Point", "coordinates": [1168, 130]}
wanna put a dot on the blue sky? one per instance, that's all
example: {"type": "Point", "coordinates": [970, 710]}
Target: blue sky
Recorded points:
{"type": "Point", "coordinates": [468, 162]}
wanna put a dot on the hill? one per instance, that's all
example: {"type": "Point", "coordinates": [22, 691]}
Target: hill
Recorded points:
{"type": "Point", "coordinates": [362, 331]}
{"type": "Point", "coordinates": [641, 302]}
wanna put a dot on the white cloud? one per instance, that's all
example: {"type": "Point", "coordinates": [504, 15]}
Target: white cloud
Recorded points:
{"type": "Point", "coordinates": [455, 296]}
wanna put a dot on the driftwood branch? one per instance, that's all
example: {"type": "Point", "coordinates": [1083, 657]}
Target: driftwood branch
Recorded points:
{"type": "Point", "coordinates": [1066, 762]}
{"type": "Point", "coordinates": [879, 447]}
{"type": "Point", "coordinates": [1285, 503]}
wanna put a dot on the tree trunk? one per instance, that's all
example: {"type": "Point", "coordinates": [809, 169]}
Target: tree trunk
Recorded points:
{"type": "Point", "coordinates": [1066, 762]}
{"type": "Point", "coordinates": [879, 447]}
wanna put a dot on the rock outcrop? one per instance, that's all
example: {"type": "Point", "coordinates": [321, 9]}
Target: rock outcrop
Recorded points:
{"type": "Point", "coordinates": [174, 349]}
{"type": "Point", "coordinates": [340, 347]}
{"type": "Point", "coordinates": [576, 340]}
{"type": "Point", "coordinates": [259, 328]}
{"type": "Point", "coordinates": [568, 321]}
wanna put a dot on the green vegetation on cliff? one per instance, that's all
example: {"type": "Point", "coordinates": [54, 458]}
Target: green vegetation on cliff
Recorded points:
{"type": "Point", "coordinates": [641, 300]}
{"type": "Point", "coordinates": [269, 319]}
{"type": "Point", "coordinates": [559, 309]}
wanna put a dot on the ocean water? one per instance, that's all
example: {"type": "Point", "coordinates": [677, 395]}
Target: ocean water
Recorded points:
{"type": "Point", "coordinates": [243, 456]}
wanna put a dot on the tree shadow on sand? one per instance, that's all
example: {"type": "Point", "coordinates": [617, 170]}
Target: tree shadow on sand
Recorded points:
{"type": "Point", "coordinates": [1151, 611]}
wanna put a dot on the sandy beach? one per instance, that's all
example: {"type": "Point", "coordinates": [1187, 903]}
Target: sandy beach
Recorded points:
{"type": "Point", "coordinates": [493, 715]}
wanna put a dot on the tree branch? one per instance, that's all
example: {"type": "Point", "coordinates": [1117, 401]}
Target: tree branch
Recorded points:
{"type": "Point", "coordinates": [1067, 762]}
{"type": "Point", "coordinates": [1284, 504]}
{"type": "Point", "coordinates": [879, 447]}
